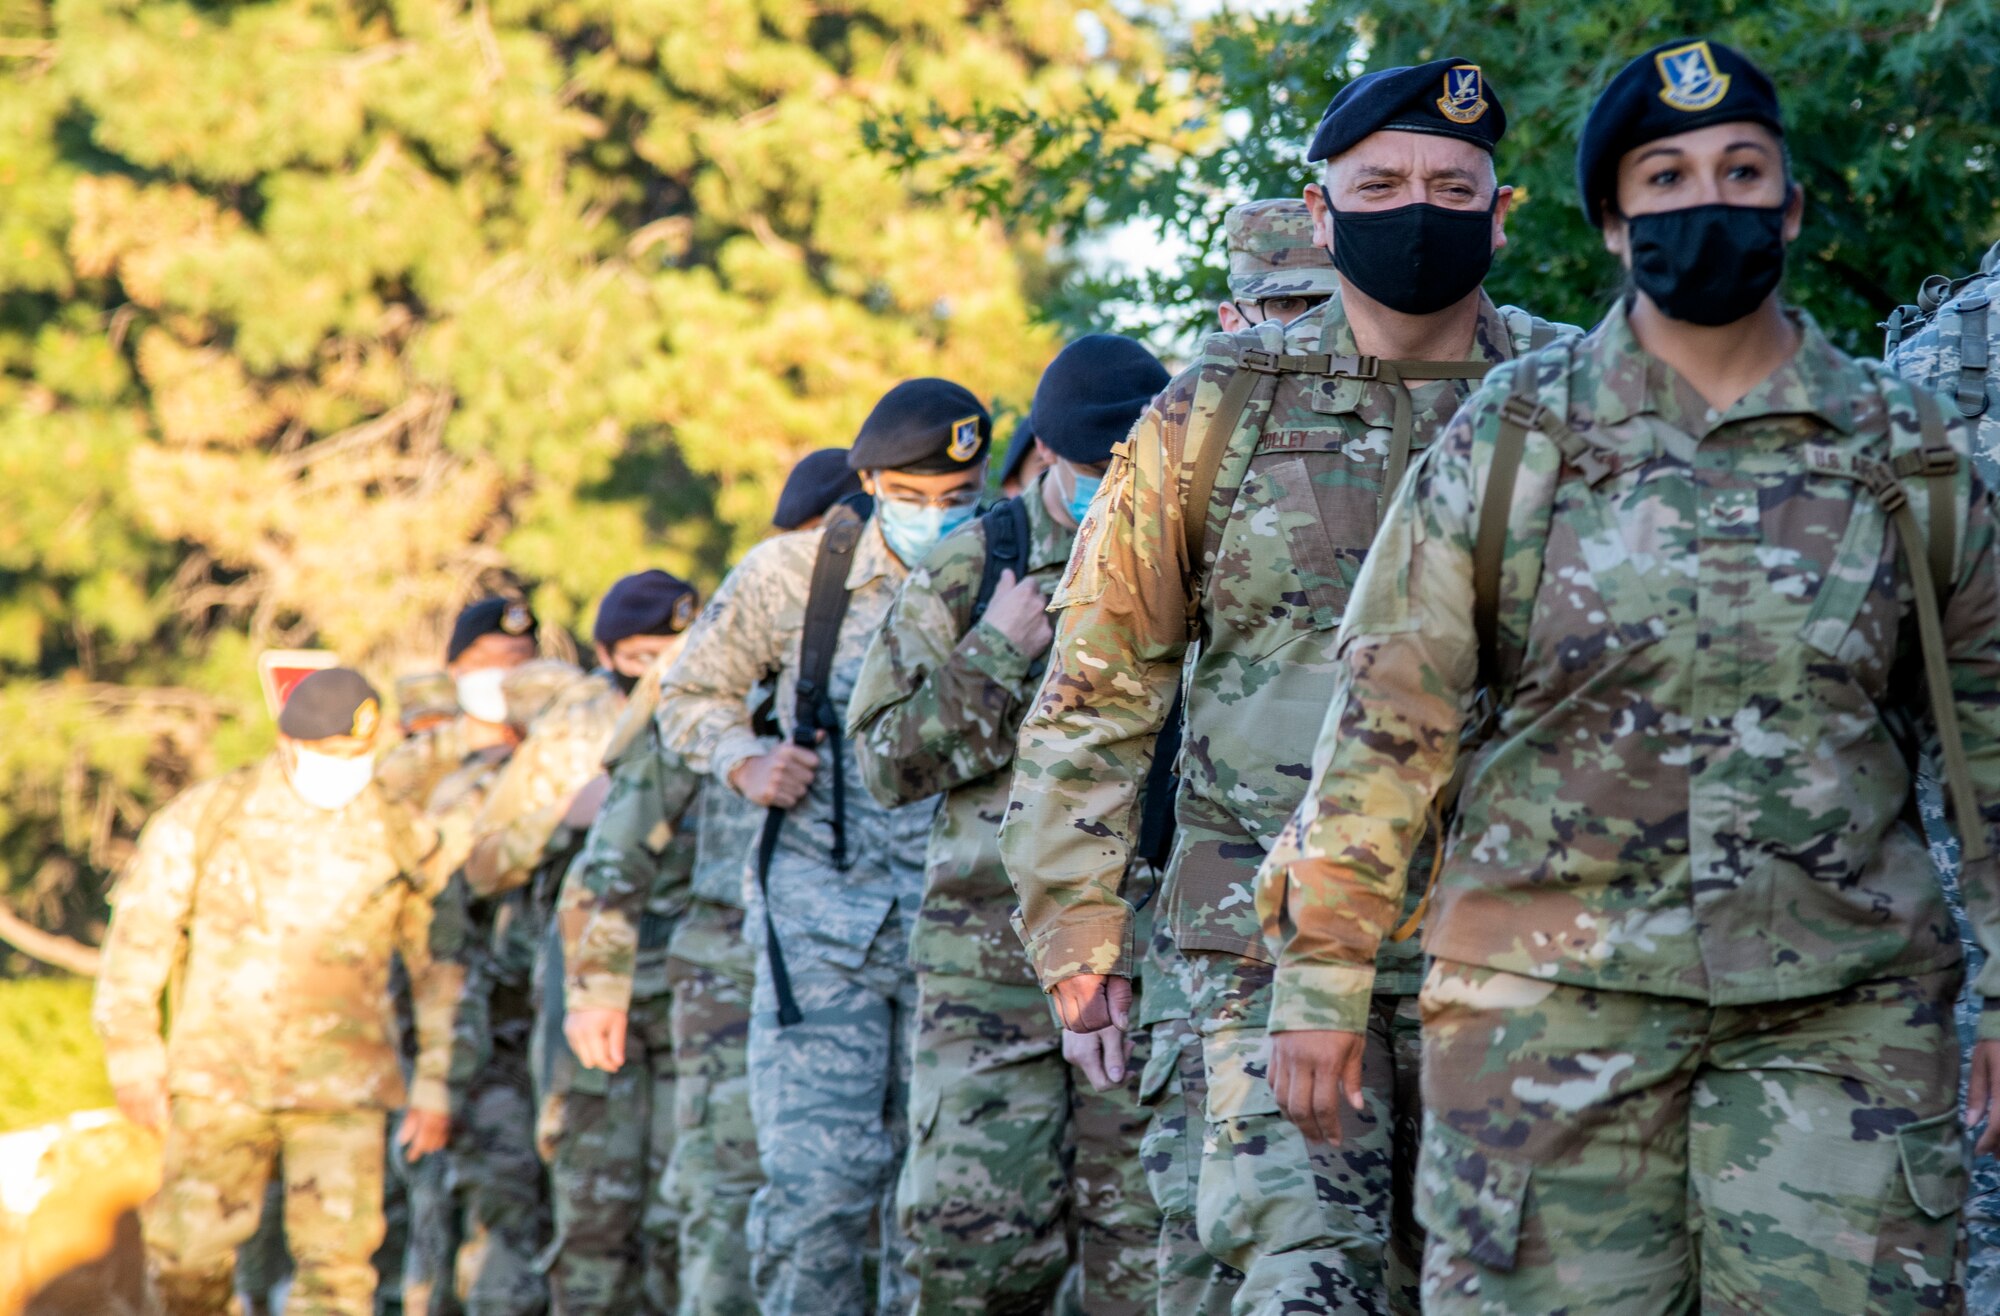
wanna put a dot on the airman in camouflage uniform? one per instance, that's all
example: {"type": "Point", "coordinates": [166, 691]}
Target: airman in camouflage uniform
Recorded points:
{"type": "Point", "coordinates": [1009, 1151]}
{"type": "Point", "coordinates": [289, 884]}
{"type": "Point", "coordinates": [624, 910]}
{"type": "Point", "coordinates": [605, 1136]}
{"type": "Point", "coordinates": [1276, 272]}
{"type": "Point", "coordinates": [828, 1091]}
{"type": "Point", "coordinates": [1685, 1033]}
{"type": "Point", "coordinates": [1932, 356]}
{"type": "Point", "coordinates": [1258, 573]}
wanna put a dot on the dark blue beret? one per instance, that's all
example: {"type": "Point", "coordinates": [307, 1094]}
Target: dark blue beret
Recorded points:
{"type": "Point", "coordinates": [486, 617]}
{"type": "Point", "coordinates": [818, 481]}
{"type": "Point", "coordinates": [1018, 449]}
{"type": "Point", "coordinates": [1447, 97]}
{"type": "Point", "coordinates": [335, 701]}
{"type": "Point", "coordinates": [1091, 393]}
{"type": "Point", "coordinates": [923, 427]}
{"type": "Point", "coordinates": [647, 603]}
{"type": "Point", "coordinates": [1673, 88]}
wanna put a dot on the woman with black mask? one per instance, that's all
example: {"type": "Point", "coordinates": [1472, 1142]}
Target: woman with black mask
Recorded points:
{"type": "Point", "coordinates": [1686, 1030]}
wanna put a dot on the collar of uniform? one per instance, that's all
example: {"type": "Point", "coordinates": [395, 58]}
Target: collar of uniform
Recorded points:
{"type": "Point", "coordinates": [1491, 339]}
{"type": "Point", "coordinates": [1049, 540]}
{"type": "Point", "coordinates": [873, 559]}
{"type": "Point", "coordinates": [1817, 381]}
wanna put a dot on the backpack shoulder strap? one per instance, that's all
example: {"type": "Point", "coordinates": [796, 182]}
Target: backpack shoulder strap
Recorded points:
{"type": "Point", "coordinates": [1974, 352]}
{"type": "Point", "coordinates": [1522, 412]}
{"type": "Point", "coordinates": [1206, 446]}
{"type": "Point", "coordinates": [213, 823]}
{"type": "Point", "coordinates": [1006, 526]}
{"type": "Point", "coordinates": [813, 711]}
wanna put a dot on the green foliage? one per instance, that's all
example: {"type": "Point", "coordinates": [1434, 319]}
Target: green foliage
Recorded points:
{"type": "Point", "coordinates": [319, 317]}
{"type": "Point", "coordinates": [50, 1062]}
{"type": "Point", "coordinates": [1894, 128]}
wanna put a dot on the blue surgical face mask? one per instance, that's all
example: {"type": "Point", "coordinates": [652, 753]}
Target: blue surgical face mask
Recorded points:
{"type": "Point", "coordinates": [913, 530]}
{"type": "Point", "coordinates": [1081, 496]}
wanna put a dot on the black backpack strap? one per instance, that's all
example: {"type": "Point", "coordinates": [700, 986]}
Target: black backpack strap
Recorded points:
{"type": "Point", "coordinates": [1156, 807]}
{"type": "Point", "coordinates": [813, 711]}
{"type": "Point", "coordinates": [1006, 550]}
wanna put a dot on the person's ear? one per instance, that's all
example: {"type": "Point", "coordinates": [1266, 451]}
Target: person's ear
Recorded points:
{"type": "Point", "coordinates": [868, 483]}
{"type": "Point", "coordinates": [1230, 318]}
{"type": "Point", "coordinates": [1617, 237]}
{"type": "Point", "coordinates": [1795, 213]}
{"type": "Point", "coordinates": [603, 657]}
{"type": "Point", "coordinates": [1503, 201]}
{"type": "Point", "coordinates": [1320, 207]}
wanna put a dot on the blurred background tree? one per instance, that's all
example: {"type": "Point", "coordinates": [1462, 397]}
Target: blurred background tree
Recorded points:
{"type": "Point", "coordinates": [320, 317]}
{"type": "Point", "coordinates": [1893, 109]}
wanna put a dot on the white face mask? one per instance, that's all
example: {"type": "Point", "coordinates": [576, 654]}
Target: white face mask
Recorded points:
{"type": "Point", "coordinates": [330, 783]}
{"type": "Point", "coordinates": [480, 695]}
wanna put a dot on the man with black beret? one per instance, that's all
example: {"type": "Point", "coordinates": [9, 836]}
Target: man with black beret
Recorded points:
{"type": "Point", "coordinates": [1010, 1154]}
{"type": "Point", "coordinates": [1240, 513]}
{"type": "Point", "coordinates": [844, 875]}
{"type": "Point", "coordinates": [279, 892]}
{"type": "Point", "coordinates": [817, 481]}
{"type": "Point", "coordinates": [603, 1145]}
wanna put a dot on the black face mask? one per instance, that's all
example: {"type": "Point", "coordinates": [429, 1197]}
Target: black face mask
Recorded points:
{"type": "Point", "coordinates": [1417, 259]}
{"type": "Point", "coordinates": [1708, 265]}
{"type": "Point", "coordinates": [626, 684]}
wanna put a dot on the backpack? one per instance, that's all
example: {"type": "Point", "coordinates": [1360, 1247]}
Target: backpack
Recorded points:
{"type": "Point", "coordinates": [813, 712]}
{"type": "Point", "coordinates": [1922, 464]}
{"type": "Point", "coordinates": [1947, 342]}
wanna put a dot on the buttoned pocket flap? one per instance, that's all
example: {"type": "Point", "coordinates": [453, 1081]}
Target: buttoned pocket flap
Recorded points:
{"type": "Point", "coordinates": [1154, 1080]}
{"type": "Point", "coordinates": [1933, 1154]}
{"type": "Point", "coordinates": [1468, 1198]}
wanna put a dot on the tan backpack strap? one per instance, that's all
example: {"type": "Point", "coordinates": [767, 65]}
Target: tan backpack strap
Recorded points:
{"type": "Point", "coordinates": [1206, 461]}
{"type": "Point", "coordinates": [1397, 375]}
{"type": "Point", "coordinates": [1434, 822]}
{"type": "Point", "coordinates": [1519, 414]}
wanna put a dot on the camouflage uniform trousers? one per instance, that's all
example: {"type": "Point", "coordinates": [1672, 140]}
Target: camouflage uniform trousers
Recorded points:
{"type": "Point", "coordinates": [1981, 1217]}
{"type": "Point", "coordinates": [1313, 1228]}
{"type": "Point", "coordinates": [1618, 1153]}
{"type": "Point", "coordinates": [219, 1157]}
{"type": "Point", "coordinates": [500, 1180]}
{"type": "Point", "coordinates": [1010, 1150]}
{"type": "Point", "coordinates": [714, 1171]}
{"type": "Point", "coordinates": [830, 1098]}
{"type": "Point", "coordinates": [1174, 1088]}
{"type": "Point", "coordinates": [435, 1218]}
{"type": "Point", "coordinates": [607, 1138]}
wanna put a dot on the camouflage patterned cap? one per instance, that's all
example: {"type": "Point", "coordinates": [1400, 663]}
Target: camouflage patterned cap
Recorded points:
{"type": "Point", "coordinates": [425, 697]}
{"type": "Point", "coordinates": [1272, 253]}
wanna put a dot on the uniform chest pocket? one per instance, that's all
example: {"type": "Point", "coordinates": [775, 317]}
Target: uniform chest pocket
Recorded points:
{"type": "Point", "coordinates": [1597, 599]}
{"type": "Point", "coordinates": [1296, 537]}
{"type": "Point", "coordinates": [1855, 610]}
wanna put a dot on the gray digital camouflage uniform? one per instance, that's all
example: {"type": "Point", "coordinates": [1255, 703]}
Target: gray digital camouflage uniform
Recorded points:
{"type": "Point", "coordinates": [282, 1036]}
{"type": "Point", "coordinates": [1932, 357]}
{"type": "Point", "coordinates": [829, 1093]}
{"type": "Point", "coordinates": [1295, 506]}
{"type": "Point", "coordinates": [1686, 1034]}
{"type": "Point", "coordinates": [1010, 1149]}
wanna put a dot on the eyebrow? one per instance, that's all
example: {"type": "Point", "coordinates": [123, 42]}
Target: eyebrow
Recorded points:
{"type": "Point", "coordinates": [1747, 144]}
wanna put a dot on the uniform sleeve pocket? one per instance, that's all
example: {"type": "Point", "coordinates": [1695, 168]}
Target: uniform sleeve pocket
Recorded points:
{"type": "Point", "coordinates": [1933, 1155]}
{"type": "Point", "coordinates": [1469, 1199]}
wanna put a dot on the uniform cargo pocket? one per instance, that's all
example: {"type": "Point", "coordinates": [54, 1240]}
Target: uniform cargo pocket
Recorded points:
{"type": "Point", "coordinates": [1469, 1199]}
{"type": "Point", "coordinates": [691, 1101]}
{"type": "Point", "coordinates": [1933, 1155]}
{"type": "Point", "coordinates": [1235, 1059]}
{"type": "Point", "coordinates": [1168, 1155]}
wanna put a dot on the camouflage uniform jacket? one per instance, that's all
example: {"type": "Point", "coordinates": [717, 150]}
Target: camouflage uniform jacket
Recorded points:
{"type": "Point", "coordinates": [562, 751]}
{"type": "Point", "coordinates": [936, 710]}
{"type": "Point", "coordinates": [725, 850]}
{"type": "Point", "coordinates": [632, 882]}
{"type": "Point", "coordinates": [288, 927]}
{"type": "Point", "coordinates": [416, 764]}
{"type": "Point", "coordinates": [1294, 509]}
{"type": "Point", "coordinates": [462, 926]}
{"type": "Point", "coordinates": [1699, 786]}
{"type": "Point", "coordinates": [752, 626]}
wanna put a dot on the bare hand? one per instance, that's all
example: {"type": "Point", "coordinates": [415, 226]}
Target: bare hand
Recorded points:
{"type": "Point", "coordinates": [1102, 1055]}
{"type": "Point", "coordinates": [145, 1104]}
{"type": "Point", "coordinates": [779, 779]}
{"type": "Point", "coordinates": [1312, 1073]}
{"type": "Point", "coordinates": [583, 805]}
{"type": "Point", "coordinates": [1982, 1096]}
{"type": "Point", "coordinates": [597, 1037]}
{"type": "Point", "coordinates": [1089, 1002]}
{"type": "Point", "coordinates": [1020, 611]}
{"type": "Point", "coordinates": [423, 1132]}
